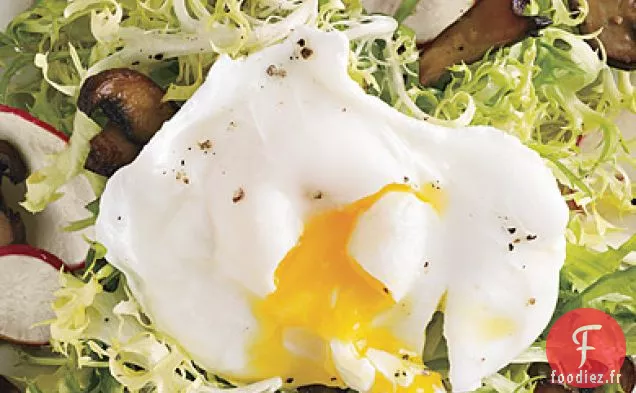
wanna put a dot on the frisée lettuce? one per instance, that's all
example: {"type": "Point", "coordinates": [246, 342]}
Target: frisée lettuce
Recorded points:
{"type": "Point", "coordinates": [552, 91]}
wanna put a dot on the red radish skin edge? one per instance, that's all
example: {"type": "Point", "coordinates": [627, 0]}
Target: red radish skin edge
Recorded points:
{"type": "Point", "coordinates": [29, 250]}
{"type": "Point", "coordinates": [24, 249]}
{"type": "Point", "coordinates": [32, 119]}
{"type": "Point", "coordinates": [579, 140]}
{"type": "Point", "coordinates": [44, 256]}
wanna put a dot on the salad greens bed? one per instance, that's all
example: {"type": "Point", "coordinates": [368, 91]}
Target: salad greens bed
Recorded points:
{"type": "Point", "coordinates": [551, 90]}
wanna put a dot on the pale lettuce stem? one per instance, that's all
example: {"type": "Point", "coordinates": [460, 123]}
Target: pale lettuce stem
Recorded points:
{"type": "Point", "coordinates": [407, 7]}
{"type": "Point", "coordinates": [59, 361]}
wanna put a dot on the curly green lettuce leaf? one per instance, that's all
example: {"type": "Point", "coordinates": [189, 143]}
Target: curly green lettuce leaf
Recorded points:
{"type": "Point", "coordinates": [549, 90]}
{"type": "Point", "coordinates": [107, 342]}
{"type": "Point", "coordinates": [41, 30]}
{"type": "Point", "coordinates": [552, 91]}
{"type": "Point", "coordinates": [601, 280]}
{"type": "Point", "coordinates": [93, 209]}
{"type": "Point", "coordinates": [73, 380]}
{"type": "Point", "coordinates": [176, 42]}
{"type": "Point", "coordinates": [44, 183]}
{"type": "Point", "coordinates": [584, 266]}
{"type": "Point", "coordinates": [614, 294]}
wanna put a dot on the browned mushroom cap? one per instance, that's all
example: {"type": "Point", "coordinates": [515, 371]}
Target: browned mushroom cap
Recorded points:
{"type": "Point", "coordinates": [12, 230]}
{"type": "Point", "coordinates": [110, 150]}
{"type": "Point", "coordinates": [539, 370]}
{"type": "Point", "coordinates": [129, 99]}
{"type": "Point", "coordinates": [618, 21]}
{"type": "Point", "coordinates": [7, 387]}
{"type": "Point", "coordinates": [12, 166]}
{"type": "Point", "coordinates": [628, 376]}
{"type": "Point", "coordinates": [544, 386]}
{"type": "Point", "coordinates": [11, 163]}
{"type": "Point", "coordinates": [489, 24]}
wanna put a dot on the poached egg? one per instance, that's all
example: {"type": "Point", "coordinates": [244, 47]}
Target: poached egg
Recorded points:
{"type": "Point", "coordinates": [284, 223]}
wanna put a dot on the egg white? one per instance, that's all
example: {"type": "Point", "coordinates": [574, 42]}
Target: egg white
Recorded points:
{"type": "Point", "coordinates": [202, 219]}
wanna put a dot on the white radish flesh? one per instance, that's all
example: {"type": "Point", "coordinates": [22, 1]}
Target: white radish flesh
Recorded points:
{"type": "Point", "coordinates": [36, 141]}
{"type": "Point", "coordinates": [28, 280]}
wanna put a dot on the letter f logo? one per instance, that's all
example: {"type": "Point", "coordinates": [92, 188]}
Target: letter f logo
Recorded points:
{"type": "Point", "coordinates": [584, 347]}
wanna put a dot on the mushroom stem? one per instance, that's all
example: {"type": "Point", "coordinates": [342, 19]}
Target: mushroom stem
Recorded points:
{"type": "Point", "coordinates": [133, 104]}
{"type": "Point", "coordinates": [11, 163]}
{"type": "Point", "coordinates": [12, 230]}
{"type": "Point", "coordinates": [110, 150]}
{"type": "Point", "coordinates": [129, 99]}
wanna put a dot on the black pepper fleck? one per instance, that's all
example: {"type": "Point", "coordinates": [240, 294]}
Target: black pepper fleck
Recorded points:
{"type": "Point", "coordinates": [333, 379]}
{"type": "Point", "coordinates": [118, 218]}
{"type": "Point", "coordinates": [406, 179]}
{"type": "Point", "coordinates": [272, 70]}
{"type": "Point", "coordinates": [634, 202]}
{"type": "Point", "coordinates": [159, 56]}
{"type": "Point", "coordinates": [106, 319]}
{"type": "Point", "coordinates": [317, 195]}
{"type": "Point", "coordinates": [397, 374]}
{"type": "Point", "coordinates": [512, 230]}
{"type": "Point", "coordinates": [405, 357]}
{"type": "Point", "coordinates": [289, 380]}
{"type": "Point", "coordinates": [301, 42]}
{"type": "Point", "coordinates": [205, 145]}
{"type": "Point", "coordinates": [306, 53]}
{"type": "Point", "coordinates": [532, 301]}
{"type": "Point", "coordinates": [182, 162]}
{"type": "Point", "coordinates": [386, 290]}
{"type": "Point", "coordinates": [531, 237]}
{"type": "Point", "coordinates": [401, 49]}
{"type": "Point", "coordinates": [238, 195]}
{"type": "Point", "coordinates": [426, 264]}
{"type": "Point", "coordinates": [135, 63]}
{"type": "Point", "coordinates": [511, 247]}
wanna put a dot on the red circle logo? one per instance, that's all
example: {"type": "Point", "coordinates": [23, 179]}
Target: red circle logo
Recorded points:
{"type": "Point", "coordinates": [586, 349]}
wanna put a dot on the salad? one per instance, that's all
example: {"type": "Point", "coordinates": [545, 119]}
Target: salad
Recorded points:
{"type": "Point", "coordinates": [79, 65]}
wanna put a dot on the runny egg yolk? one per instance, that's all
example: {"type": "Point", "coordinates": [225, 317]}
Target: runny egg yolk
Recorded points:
{"type": "Point", "coordinates": [323, 291]}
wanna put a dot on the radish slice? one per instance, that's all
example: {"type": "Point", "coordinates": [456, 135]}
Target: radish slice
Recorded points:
{"type": "Point", "coordinates": [37, 140]}
{"type": "Point", "coordinates": [28, 279]}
